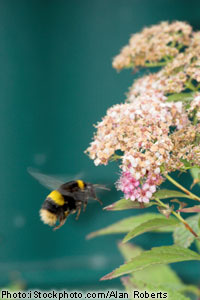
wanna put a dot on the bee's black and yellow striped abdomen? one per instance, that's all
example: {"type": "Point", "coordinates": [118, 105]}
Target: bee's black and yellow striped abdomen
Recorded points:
{"type": "Point", "coordinates": [52, 207]}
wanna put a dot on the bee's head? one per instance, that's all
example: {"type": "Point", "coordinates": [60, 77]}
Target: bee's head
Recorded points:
{"type": "Point", "coordinates": [90, 188]}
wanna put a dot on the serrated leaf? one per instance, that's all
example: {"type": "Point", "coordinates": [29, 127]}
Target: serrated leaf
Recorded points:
{"type": "Point", "coordinates": [159, 273]}
{"type": "Point", "coordinates": [164, 194]}
{"type": "Point", "coordinates": [150, 225]}
{"type": "Point", "coordinates": [124, 225]}
{"type": "Point", "coordinates": [155, 256]}
{"type": "Point", "coordinates": [162, 275]}
{"type": "Point", "coordinates": [127, 204]}
{"type": "Point", "coordinates": [184, 237]}
{"type": "Point", "coordinates": [183, 97]}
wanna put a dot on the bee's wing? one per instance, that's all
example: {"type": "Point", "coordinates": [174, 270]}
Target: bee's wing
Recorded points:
{"type": "Point", "coordinates": [49, 181]}
{"type": "Point", "coordinates": [84, 195]}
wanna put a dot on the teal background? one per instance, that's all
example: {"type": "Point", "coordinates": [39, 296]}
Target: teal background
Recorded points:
{"type": "Point", "coordinates": [56, 80]}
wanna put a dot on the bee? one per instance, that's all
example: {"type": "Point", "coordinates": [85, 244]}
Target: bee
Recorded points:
{"type": "Point", "coordinates": [65, 198]}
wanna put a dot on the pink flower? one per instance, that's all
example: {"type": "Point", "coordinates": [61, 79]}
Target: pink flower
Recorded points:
{"type": "Point", "coordinates": [135, 190]}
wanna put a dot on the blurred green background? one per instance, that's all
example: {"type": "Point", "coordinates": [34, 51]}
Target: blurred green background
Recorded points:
{"type": "Point", "coordinates": [56, 81]}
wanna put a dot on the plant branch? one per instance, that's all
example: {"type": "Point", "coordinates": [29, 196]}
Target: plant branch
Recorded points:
{"type": "Point", "coordinates": [178, 216]}
{"type": "Point", "coordinates": [174, 182]}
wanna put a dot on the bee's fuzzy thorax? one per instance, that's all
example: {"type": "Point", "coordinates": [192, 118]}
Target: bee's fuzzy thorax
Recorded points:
{"type": "Point", "coordinates": [81, 184]}
{"type": "Point", "coordinates": [47, 217]}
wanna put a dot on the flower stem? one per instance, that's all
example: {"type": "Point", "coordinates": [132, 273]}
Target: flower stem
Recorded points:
{"type": "Point", "coordinates": [178, 216]}
{"type": "Point", "coordinates": [189, 85]}
{"type": "Point", "coordinates": [115, 157]}
{"type": "Point", "coordinates": [155, 64]}
{"type": "Point", "coordinates": [198, 87]}
{"type": "Point", "coordinates": [174, 182]}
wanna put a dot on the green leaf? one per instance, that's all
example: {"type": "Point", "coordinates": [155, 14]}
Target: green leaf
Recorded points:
{"type": "Point", "coordinates": [151, 289]}
{"type": "Point", "coordinates": [183, 97]}
{"type": "Point", "coordinates": [127, 204]}
{"type": "Point", "coordinates": [197, 243]}
{"type": "Point", "coordinates": [164, 277]}
{"type": "Point", "coordinates": [129, 286]}
{"type": "Point", "coordinates": [124, 225]}
{"type": "Point", "coordinates": [184, 237]}
{"type": "Point", "coordinates": [150, 225]}
{"type": "Point", "coordinates": [129, 251]}
{"type": "Point", "coordinates": [195, 172]}
{"type": "Point", "coordinates": [186, 163]}
{"type": "Point", "coordinates": [164, 194]}
{"type": "Point", "coordinates": [157, 273]}
{"type": "Point", "coordinates": [155, 256]}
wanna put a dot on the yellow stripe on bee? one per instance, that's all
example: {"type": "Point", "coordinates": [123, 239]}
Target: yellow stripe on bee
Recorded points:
{"type": "Point", "coordinates": [56, 197]}
{"type": "Point", "coordinates": [80, 184]}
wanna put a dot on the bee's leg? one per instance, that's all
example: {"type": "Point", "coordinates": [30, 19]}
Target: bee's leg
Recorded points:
{"type": "Point", "coordinates": [84, 205]}
{"type": "Point", "coordinates": [67, 212]}
{"type": "Point", "coordinates": [62, 220]}
{"type": "Point", "coordinates": [78, 212]}
{"type": "Point", "coordinates": [98, 200]}
{"type": "Point", "coordinates": [94, 196]}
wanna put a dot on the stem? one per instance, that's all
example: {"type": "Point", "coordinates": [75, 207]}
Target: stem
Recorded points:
{"type": "Point", "coordinates": [115, 157]}
{"type": "Point", "coordinates": [198, 87]}
{"type": "Point", "coordinates": [180, 46]}
{"type": "Point", "coordinates": [192, 196]}
{"type": "Point", "coordinates": [195, 119]}
{"type": "Point", "coordinates": [187, 226]}
{"type": "Point", "coordinates": [189, 85]}
{"type": "Point", "coordinates": [155, 64]}
{"type": "Point", "coordinates": [178, 216]}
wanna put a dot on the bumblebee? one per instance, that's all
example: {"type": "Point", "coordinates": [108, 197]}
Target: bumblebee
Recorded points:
{"type": "Point", "coordinates": [65, 198]}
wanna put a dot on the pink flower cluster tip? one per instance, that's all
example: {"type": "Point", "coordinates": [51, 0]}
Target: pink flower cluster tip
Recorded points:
{"type": "Point", "coordinates": [134, 190]}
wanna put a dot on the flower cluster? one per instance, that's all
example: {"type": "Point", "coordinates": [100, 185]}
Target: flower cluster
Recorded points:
{"type": "Point", "coordinates": [134, 190]}
{"type": "Point", "coordinates": [147, 85]}
{"type": "Point", "coordinates": [187, 63]}
{"type": "Point", "coordinates": [141, 131]}
{"type": "Point", "coordinates": [155, 135]}
{"type": "Point", "coordinates": [154, 44]}
{"type": "Point", "coordinates": [195, 106]}
{"type": "Point", "coordinates": [179, 74]}
{"type": "Point", "coordinates": [185, 148]}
